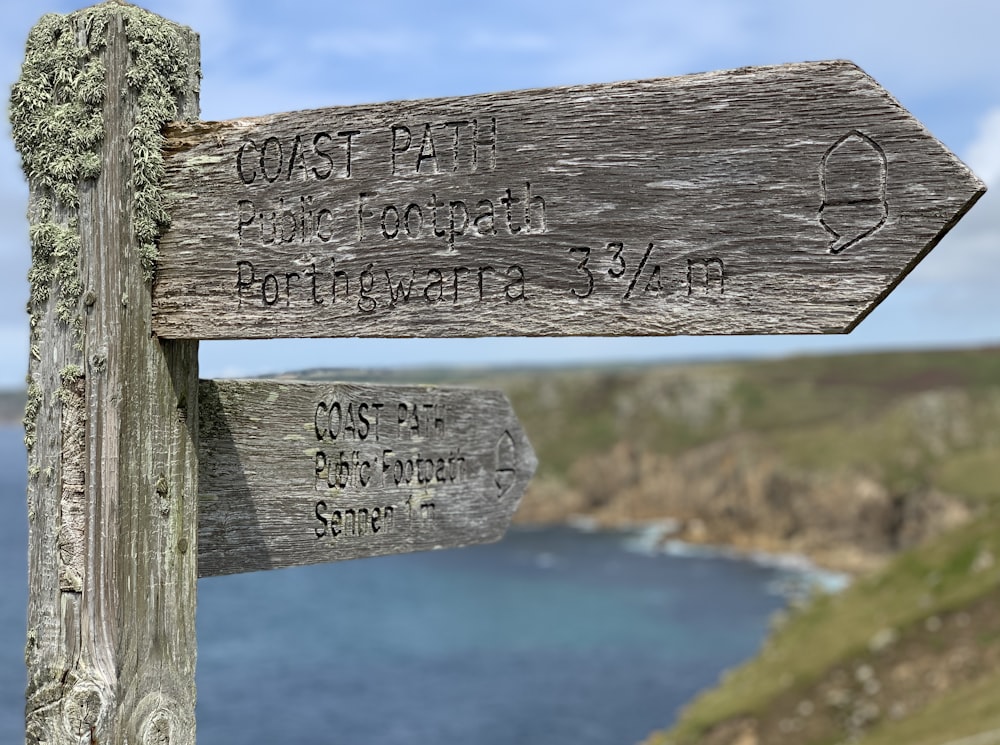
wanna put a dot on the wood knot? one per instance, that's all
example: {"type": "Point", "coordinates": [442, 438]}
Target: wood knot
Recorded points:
{"type": "Point", "coordinates": [157, 730]}
{"type": "Point", "coordinates": [99, 361]}
{"type": "Point", "coordinates": [83, 712]}
{"type": "Point", "coordinates": [160, 720]}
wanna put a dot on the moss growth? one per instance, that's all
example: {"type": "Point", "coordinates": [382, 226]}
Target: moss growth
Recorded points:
{"type": "Point", "coordinates": [55, 253]}
{"type": "Point", "coordinates": [57, 121]}
{"type": "Point", "coordinates": [160, 72]}
{"type": "Point", "coordinates": [70, 372]}
{"type": "Point", "coordinates": [70, 393]}
{"type": "Point", "coordinates": [31, 409]}
{"type": "Point", "coordinates": [55, 106]}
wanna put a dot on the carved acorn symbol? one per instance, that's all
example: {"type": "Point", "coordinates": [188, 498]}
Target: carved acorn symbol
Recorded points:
{"type": "Point", "coordinates": [506, 464]}
{"type": "Point", "coordinates": [853, 178]}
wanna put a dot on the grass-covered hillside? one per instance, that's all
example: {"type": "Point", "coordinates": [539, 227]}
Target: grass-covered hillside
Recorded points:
{"type": "Point", "coordinates": [909, 654]}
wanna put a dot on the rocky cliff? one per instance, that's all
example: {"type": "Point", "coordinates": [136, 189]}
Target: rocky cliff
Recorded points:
{"type": "Point", "coordinates": [845, 459]}
{"type": "Point", "coordinates": [739, 493]}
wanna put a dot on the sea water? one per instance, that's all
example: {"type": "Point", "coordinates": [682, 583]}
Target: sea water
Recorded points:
{"type": "Point", "coordinates": [552, 636]}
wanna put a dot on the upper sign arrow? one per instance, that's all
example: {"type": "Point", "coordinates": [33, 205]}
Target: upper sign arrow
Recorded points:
{"type": "Point", "coordinates": [785, 199]}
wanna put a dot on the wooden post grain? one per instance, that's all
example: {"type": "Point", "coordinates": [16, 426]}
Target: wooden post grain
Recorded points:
{"type": "Point", "coordinates": [786, 199]}
{"type": "Point", "coordinates": [318, 472]}
{"type": "Point", "coordinates": [111, 425]}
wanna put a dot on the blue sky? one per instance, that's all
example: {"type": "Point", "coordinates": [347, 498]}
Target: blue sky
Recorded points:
{"type": "Point", "coordinates": [939, 59]}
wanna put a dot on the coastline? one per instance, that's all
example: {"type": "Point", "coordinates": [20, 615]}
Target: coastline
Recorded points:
{"type": "Point", "coordinates": [657, 537]}
{"type": "Point", "coordinates": [735, 493]}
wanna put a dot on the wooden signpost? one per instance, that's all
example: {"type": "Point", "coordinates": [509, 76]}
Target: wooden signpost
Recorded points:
{"type": "Point", "coordinates": [783, 199]}
{"type": "Point", "coordinates": [303, 473]}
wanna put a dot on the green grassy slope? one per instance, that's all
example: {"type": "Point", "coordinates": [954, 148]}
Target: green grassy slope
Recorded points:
{"type": "Point", "coordinates": [970, 714]}
{"type": "Point", "coordinates": [959, 573]}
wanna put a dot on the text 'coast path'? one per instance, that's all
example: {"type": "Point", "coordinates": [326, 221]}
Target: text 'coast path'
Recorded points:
{"type": "Point", "coordinates": [786, 199]}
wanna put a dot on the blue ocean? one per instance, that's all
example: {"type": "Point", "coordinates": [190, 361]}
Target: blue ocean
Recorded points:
{"type": "Point", "coordinates": [553, 636]}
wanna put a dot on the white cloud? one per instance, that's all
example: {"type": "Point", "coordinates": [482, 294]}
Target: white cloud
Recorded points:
{"type": "Point", "coordinates": [968, 259]}
{"type": "Point", "coordinates": [983, 154]}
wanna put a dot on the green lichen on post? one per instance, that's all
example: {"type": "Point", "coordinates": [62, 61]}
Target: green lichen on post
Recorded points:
{"type": "Point", "coordinates": [160, 71]}
{"type": "Point", "coordinates": [56, 114]}
{"type": "Point", "coordinates": [31, 410]}
{"type": "Point", "coordinates": [70, 377]}
{"type": "Point", "coordinates": [55, 255]}
{"type": "Point", "coordinates": [57, 120]}
{"type": "Point", "coordinates": [68, 373]}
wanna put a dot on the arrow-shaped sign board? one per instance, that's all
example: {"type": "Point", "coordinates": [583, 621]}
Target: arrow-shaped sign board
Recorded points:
{"type": "Point", "coordinates": [785, 199]}
{"type": "Point", "coordinates": [303, 473]}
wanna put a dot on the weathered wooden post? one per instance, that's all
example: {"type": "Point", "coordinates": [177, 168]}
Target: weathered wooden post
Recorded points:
{"type": "Point", "coordinates": [112, 420]}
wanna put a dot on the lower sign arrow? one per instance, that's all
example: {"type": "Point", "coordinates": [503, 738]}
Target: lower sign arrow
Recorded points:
{"type": "Point", "coordinates": [304, 473]}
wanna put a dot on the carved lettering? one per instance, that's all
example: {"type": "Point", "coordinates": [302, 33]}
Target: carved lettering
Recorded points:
{"type": "Point", "coordinates": [514, 290]}
{"type": "Point", "coordinates": [638, 272]}
{"type": "Point", "coordinates": [371, 521]}
{"type": "Point", "coordinates": [386, 468]}
{"type": "Point", "coordinates": [414, 150]}
{"type": "Point", "coordinates": [706, 276]}
{"type": "Point", "coordinates": [354, 522]}
{"type": "Point", "coordinates": [246, 168]}
{"type": "Point", "coordinates": [423, 420]}
{"type": "Point", "coordinates": [338, 420]}
{"type": "Point", "coordinates": [472, 145]}
{"type": "Point", "coordinates": [401, 139]}
{"type": "Point", "coordinates": [287, 221]}
{"type": "Point", "coordinates": [272, 159]}
{"type": "Point", "coordinates": [645, 274]}
{"type": "Point", "coordinates": [427, 151]}
{"type": "Point", "coordinates": [304, 221]}
{"type": "Point", "coordinates": [304, 157]}
{"type": "Point", "coordinates": [583, 269]}
{"type": "Point", "coordinates": [522, 212]}
{"type": "Point", "coordinates": [375, 288]}
{"type": "Point", "coordinates": [351, 420]}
